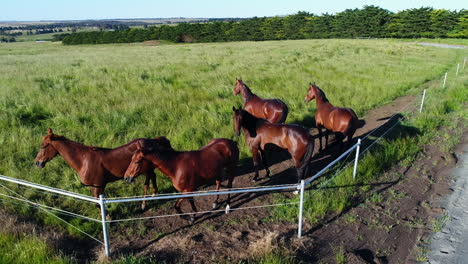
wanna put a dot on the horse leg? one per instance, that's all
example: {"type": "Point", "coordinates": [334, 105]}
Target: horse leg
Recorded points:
{"type": "Point", "coordinates": [194, 209]}
{"type": "Point", "coordinates": [326, 137]}
{"type": "Point", "coordinates": [340, 138]}
{"type": "Point", "coordinates": [153, 181]}
{"type": "Point", "coordinates": [146, 186]}
{"type": "Point", "coordinates": [218, 184]}
{"type": "Point", "coordinates": [320, 137]}
{"type": "Point", "coordinates": [231, 172]}
{"type": "Point", "coordinates": [350, 137]}
{"type": "Point", "coordinates": [255, 156]}
{"type": "Point", "coordinates": [96, 192]}
{"type": "Point", "coordinates": [263, 156]}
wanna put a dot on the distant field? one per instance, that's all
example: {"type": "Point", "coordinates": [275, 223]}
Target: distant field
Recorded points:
{"type": "Point", "coordinates": [107, 95]}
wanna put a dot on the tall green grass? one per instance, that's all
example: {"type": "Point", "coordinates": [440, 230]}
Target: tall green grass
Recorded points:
{"type": "Point", "coordinates": [25, 250]}
{"type": "Point", "coordinates": [107, 95]}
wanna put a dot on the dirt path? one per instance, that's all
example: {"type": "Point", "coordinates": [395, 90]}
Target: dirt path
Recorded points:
{"type": "Point", "coordinates": [240, 234]}
{"type": "Point", "coordinates": [445, 46]}
{"type": "Point", "coordinates": [449, 245]}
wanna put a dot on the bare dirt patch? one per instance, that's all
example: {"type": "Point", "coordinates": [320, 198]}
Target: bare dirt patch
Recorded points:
{"type": "Point", "coordinates": [386, 231]}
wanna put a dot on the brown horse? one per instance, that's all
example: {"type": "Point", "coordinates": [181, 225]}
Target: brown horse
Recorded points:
{"type": "Point", "coordinates": [273, 110]}
{"type": "Point", "coordinates": [187, 169]}
{"type": "Point", "coordinates": [259, 133]}
{"type": "Point", "coordinates": [95, 166]}
{"type": "Point", "coordinates": [342, 121]}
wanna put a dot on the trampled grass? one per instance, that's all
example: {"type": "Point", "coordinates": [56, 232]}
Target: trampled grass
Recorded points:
{"type": "Point", "coordinates": [107, 95]}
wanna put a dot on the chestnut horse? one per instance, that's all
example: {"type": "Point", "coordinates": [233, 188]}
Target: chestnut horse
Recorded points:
{"type": "Point", "coordinates": [259, 133]}
{"type": "Point", "coordinates": [95, 166]}
{"type": "Point", "coordinates": [187, 169]}
{"type": "Point", "coordinates": [273, 110]}
{"type": "Point", "coordinates": [342, 121]}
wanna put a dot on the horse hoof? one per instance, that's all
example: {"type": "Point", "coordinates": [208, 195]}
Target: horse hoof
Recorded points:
{"type": "Point", "coordinates": [296, 192]}
{"type": "Point", "coordinates": [227, 209]}
{"type": "Point", "coordinates": [108, 218]}
{"type": "Point", "coordinates": [191, 220]}
{"type": "Point", "coordinates": [143, 207]}
{"type": "Point", "coordinates": [215, 205]}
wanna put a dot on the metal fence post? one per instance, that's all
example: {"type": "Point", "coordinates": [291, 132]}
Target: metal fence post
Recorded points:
{"type": "Point", "coordinates": [301, 207]}
{"type": "Point", "coordinates": [104, 224]}
{"type": "Point", "coordinates": [422, 101]}
{"type": "Point", "coordinates": [357, 158]}
{"type": "Point", "coordinates": [445, 79]}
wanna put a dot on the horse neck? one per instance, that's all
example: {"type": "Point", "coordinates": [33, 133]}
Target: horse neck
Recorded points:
{"type": "Point", "coordinates": [246, 93]}
{"type": "Point", "coordinates": [166, 162]}
{"type": "Point", "coordinates": [250, 123]}
{"type": "Point", "coordinates": [70, 152]}
{"type": "Point", "coordinates": [321, 100]}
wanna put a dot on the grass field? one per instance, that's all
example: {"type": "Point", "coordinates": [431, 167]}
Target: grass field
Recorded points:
{"type": "Point", "coordinates": [107, 95]}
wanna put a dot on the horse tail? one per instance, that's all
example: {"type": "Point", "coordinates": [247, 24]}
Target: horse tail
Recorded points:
{"type": "Point", "coordinates": [284, 114]}
{"type": "Point", "coordinates": [234, 152]}
{"type": "Point", "coordinates": [231, 166]}
{"type": "Point", "coordinates": [305, 161]}
{"type": "Point", "coordinates": [353, 124]}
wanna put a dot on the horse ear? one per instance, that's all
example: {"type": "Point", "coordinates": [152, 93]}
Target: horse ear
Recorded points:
{"type": "Point", "coordinates": [49, 131]}
{"type": "Point", "coordinates": [233, 109]}
{"type": "Point", "coordinates": [140, 144]}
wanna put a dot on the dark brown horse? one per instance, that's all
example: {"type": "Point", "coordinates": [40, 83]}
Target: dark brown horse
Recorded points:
{"type": "Point", "coordinates": [259, 133]}
{"type": "Point", "coordinates": [342, 121]}
{"type": "Point", "coordinates": [95, 166]}
{"type": "Point", "coordinates": [188, 169]}
{"type": "Point", "coordinates": [273, 110]}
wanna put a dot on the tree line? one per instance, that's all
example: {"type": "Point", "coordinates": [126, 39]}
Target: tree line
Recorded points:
{"type": "Point", "coordinates": [369, 21]}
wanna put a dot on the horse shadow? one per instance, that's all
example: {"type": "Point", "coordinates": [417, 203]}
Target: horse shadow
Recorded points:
{"type": "Point", "coordinates": [288, 176]}
{"type": "Point", "coordinates": [322, 159]}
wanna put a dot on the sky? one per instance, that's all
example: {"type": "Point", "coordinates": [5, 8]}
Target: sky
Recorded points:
{"type": "Point", "coordinates": [35, 10]}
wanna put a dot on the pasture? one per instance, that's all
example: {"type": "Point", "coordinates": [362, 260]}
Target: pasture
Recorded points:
{"type": "Point", "coordinates": [107, 95]}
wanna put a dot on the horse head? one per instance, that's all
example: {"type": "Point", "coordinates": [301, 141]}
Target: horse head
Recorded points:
{"type": "Point", "coordinates": [238, 86]}
{"type": "Point", "coordinates": [244, 119]}
{"type": "Point", "coordinates": [136, 167]}
{"type": "Point", "coordinates": [47, 151]}
{"type": "Point", "coordinates": [311, 93]}
{"type": "Point", "coordinates": [237, 118]}
{"type": "Point", "coordinates": [315, 92]}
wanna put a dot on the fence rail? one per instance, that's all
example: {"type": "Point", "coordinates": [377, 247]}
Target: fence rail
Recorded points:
{"type": "Point", "coordinates": [102, 201]}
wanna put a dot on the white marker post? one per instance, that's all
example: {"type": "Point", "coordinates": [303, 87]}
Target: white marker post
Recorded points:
{"type": "Point", "coordinates": [301, 208]}
{"type": "Point", "coordinates": [422, 101]}
{"type": "Point", "coordinates": [105, 233]}
{"type": "Point", "coordinates": [445, 79]}
{"type": "Point", "coordinates": [356, 158]}
{"type": "Point", "coordinates": [458, 67]}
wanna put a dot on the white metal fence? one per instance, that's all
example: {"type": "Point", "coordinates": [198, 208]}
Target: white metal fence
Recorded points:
{"type": "Point", "coordinates": [103, 201]}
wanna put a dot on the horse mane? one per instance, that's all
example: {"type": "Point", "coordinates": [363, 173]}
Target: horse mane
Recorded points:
{"type": "Point", "coordinates": [321, 94]}
{"type": "Point", "coordinates": [249, 92]}
{"type": "Point", "coordinates": [56, 137]}
{"type": "Point", "coordinates": [249, 122]}
{"type": "Point", "coordinates": [160, 147]}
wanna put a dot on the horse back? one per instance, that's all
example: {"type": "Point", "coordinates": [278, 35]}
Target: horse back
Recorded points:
{"type": "Point", "coordinates": [221, 148]}
{"type": "Point", "coordinates": [275, 110]}
{"type": "Point", "coordinates": [343, 119]}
